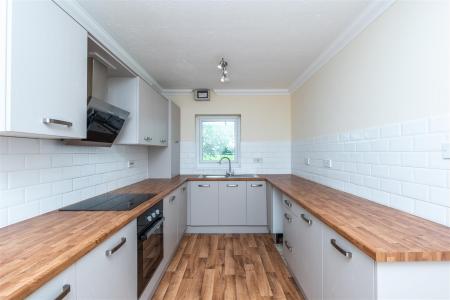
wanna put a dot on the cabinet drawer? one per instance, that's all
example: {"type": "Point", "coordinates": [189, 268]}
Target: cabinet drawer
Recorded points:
{"type": "Point", "coordinates": [347, 272]}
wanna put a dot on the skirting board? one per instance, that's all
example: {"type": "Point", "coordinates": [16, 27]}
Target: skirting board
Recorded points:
{"type": "Point", "coordinates": [227, 229]}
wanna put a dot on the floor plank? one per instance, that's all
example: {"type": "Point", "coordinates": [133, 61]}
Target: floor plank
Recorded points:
{"type": "Point", "coordinates": [227, 266]}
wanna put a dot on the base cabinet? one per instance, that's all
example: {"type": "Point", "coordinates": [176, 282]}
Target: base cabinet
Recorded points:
{"type": "Point", "coordinates": [63, 284]}
{"type": "Point", "coordinates": [256, 203]}
{"type": "Point", "coordinates": [347, 272]}
{"type": "Point", "coordinates": [171, 216]}
{"type": "Point", "coordinates": [232, 207]}
{"type": "Point", "coordinates": [204, 208]}
{"type": "Point", "coordinates": [110, 275]}
{"type": "Point", "coordinates": [182, 211]}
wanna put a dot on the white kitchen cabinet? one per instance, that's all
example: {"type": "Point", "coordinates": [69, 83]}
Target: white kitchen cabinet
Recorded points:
{"type": "Point", "coordinates": [204, 203]}
{"type": "Point", "coordinates": [232, 204]}
{"type": "Point", "coordinates": [256, 203]}
{"type": "Point", "coordinates": [182, 211]}
{"type": "Point", "coordinates": [44, 89]}
{"type": "Point", "coordinates": [347, 272]}
{"type": "Point", "coordinates": [309, 245]}
{"type": "Point", "coordinates": [290, 236]}
{"type": "Point", "coordinates": [103, 275]}
{"type": "Point", "coordinates": [148, 122]}
{"type": "Point", "coordinates": [62, 284]}
{"type": "Point", "coordinates": [171, 216]}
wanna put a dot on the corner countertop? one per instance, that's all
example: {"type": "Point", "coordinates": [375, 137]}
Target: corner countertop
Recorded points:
{"type": "Point", "coordinates": [36, 250]}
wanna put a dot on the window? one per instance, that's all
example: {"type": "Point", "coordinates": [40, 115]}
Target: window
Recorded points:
{"type": "Point", "coordinates": [218, 136]}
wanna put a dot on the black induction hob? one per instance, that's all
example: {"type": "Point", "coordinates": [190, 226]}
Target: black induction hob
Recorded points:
{"type": "Point", "coordinates": [110, 201]}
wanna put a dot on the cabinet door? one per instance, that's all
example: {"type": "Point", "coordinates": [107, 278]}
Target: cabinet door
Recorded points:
{"type": "Point", "coordinates": [103, 276]}
{"type": "Point", "coordinates": [345, 277]}
{"type": "Point", "coordinates": [256, 203]}
{"type": "Point", "coordinates": [309, 245]}
{"type": "Point", "coordinates": [62, 284]}
{"type": "Point", "coordinates": [171, 215]}
{"type": "Point", "coordinates": [204, 203]}
{"type": "Point", "coordinates": [232, 203]}
{"type": "Point", "coordinates": [47, 71]}
{"type": "Point", "coordinates": [290, 251]}
{"type": "Point", "coordinates": [175, 139]}
{"type": "Point", "coordinates": [182, 219]}
{"type": "Point", "coordinates": [147, 131]}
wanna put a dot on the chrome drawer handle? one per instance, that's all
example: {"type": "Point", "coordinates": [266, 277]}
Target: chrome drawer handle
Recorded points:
{"type": "Point", "coordinates": [110, 252]}
{"type": "Point", "coordinates": [288, 218]}
{"type": "Point", "coordinates": [232, 185]}
{"type": "Point", "coordinates": [286, 243]}
{"type": "Point", "coordinates": [347, 254]}
{"type": "Point", "coordinates": [172, 198]}
{"type": "Point", "coordinates": [64, 293]}
{"type": "Point", "coordinates": [256, 185]}
{"type": "Point", "coordinates": [306, 219]}
{"type": "Point", "coordinates": [288, 203]}
{"type": "Point", "coordinates": [183, 189]}
{"type": "Point", "coordinates": [56, 122]}
{"type": "Point", "coordinates": [204, 185]}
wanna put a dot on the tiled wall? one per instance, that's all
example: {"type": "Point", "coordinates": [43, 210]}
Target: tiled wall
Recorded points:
{"type": "Point", "coordinates": [276, 159]}
{"type": "Point", "coordinates": [398, 165]}
{"type": "Point", "coordinates": [37, 176]}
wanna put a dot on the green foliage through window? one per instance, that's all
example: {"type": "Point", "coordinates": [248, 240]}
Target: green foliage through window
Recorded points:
{"type": "Point", "coordinates": [218, 138]}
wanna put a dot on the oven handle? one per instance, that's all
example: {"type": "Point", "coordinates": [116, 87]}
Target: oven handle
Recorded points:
{"type": "Point", "coordinates": [152, 230]}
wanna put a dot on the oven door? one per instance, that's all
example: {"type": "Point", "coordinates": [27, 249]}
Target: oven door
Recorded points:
{"type": "Point", "coordinates": [150, 253]}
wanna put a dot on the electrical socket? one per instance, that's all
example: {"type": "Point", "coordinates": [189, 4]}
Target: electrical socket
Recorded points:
{"type": "Point", "coordinates": [258, 160]}
{"type": "Point", "coordinates": [327, 163]}
{"type": "Point", "coordinates": [307, 161]}
{"type": "Point", "coordinates": [446, 150]}
{"type": "Point", "coordinates": [131, 164]}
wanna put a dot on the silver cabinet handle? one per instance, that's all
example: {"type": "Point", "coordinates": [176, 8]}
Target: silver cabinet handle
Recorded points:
{"type": "Point", "coordinates": [286, 243]}
{"type": "Point", "coordinates": [232, 185]}
{"type": "Point", "coordinates": [64, 293]}
{"type": "Point", "coordinates": [56, 122]}
{"type": "Point", "coordinates": [204, 185]}
{"type": "Point", "coordinates": [110, 252]}
{"type": "Point", "coordinates": [177, 142]}
{"type": "Point", "coordinates": [147, 139]}
{"type": "Point", "coordinates": [256, 185]}
{"type": "Point", "coordinates": [183, 189]}
{"type": "Point", "coordinates": [288, 218]}
{"type": "Point", "coordinates": [172, 198]}
{"type": "Point", "coordinates": [347, 254]}
{"type": "Point", "coordinates": [306, 219]}
{"type": "Point", "coordinates": [288, 203]}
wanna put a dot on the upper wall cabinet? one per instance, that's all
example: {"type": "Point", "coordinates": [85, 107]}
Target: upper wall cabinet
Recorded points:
{"type": "Point", "coordinates": [43, 66]}
{"type": "Point", "coordinates": [149, 111]}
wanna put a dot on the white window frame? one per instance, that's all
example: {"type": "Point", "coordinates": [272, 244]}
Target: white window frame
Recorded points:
{"type": "Point", "coordinates": [214, 164]}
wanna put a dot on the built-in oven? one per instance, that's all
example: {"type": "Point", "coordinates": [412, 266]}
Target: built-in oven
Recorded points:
{"type": "Point", "coordinates": [150, 239]}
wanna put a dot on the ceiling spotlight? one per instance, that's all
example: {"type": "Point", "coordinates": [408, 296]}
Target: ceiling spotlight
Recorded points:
{"type": "Point", "coordinates": [223, 64]}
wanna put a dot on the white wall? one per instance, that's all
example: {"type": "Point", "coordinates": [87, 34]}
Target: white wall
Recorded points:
{"type": "Point", "coordinates": [379, 110]}
{"type": "Point", "coordinates": [265, 131]}
{"type": "Point", "coordinates": [37, 175]}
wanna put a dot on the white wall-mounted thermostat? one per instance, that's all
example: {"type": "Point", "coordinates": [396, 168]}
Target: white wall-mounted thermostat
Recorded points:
{"type": "Point", "coordinates": [201, 95]}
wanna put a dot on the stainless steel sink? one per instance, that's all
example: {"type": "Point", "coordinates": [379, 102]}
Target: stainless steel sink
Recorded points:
{"type": "Point", "coordinates": [230, 176]}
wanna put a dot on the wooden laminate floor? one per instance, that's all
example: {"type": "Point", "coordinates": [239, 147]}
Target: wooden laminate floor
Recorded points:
{"type": "Point", "coordinates": [227, 266]}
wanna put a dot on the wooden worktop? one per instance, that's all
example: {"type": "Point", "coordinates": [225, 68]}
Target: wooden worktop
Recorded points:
{"type": "Point", "coordinates": [34, 251]}
{"type": "Point", "coordinates": [385, 234]}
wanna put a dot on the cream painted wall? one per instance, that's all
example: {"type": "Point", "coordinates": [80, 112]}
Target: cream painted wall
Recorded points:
{"type": "Point", "coordinates": [263, 118]}
{"type": "Point", "coordinates": [396, 70]}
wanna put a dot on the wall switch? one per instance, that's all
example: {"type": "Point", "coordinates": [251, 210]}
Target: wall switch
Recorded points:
{"type": "Point", "coordinates": [446, 150]}
{"type": "Point", "coordinates": [258, 160]}
{"type": "Point", "coordinates": [131, 164]}
{"type": "Point", "coordinates": [307, 161]}
{"type": "Point", "coordinates": [327, 163]}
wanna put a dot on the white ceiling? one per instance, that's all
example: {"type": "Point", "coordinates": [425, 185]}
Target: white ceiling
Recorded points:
{"type": "Point", "coordinates": [268, 44]}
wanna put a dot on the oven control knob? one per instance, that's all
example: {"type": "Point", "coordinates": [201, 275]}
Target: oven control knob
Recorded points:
{"type": "Point", "coordinates": [157, 211]}
{"type": "Point", "coordinates": [153, 215]}
{"type": "Point", "coordinates": [149, 218]}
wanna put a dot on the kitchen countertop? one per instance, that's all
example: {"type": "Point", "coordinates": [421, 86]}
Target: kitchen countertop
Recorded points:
{"type": "Point", "coordinates": [36, 250]}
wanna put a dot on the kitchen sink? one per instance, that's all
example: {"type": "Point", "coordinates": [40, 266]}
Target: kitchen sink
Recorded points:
{"type": "Point", "coordinates": [230, 176]}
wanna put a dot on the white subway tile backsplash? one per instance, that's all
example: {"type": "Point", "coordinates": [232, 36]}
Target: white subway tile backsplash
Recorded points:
{"type": "Point", "coordinates": [402, 168]}
{"type": "Point", "coordinates": [37, 176]}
